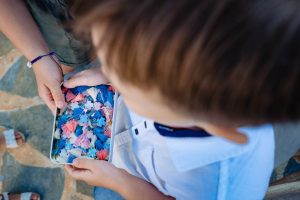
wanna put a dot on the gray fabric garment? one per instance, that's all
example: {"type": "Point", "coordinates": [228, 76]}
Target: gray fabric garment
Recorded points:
{"type": "Point", "coordinates": [287, 141]}
{"type": "Point", "coordinates": [52, 17]}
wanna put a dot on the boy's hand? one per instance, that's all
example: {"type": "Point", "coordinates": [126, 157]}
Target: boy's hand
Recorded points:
{"type": "Point", "coordinates": [49, 78]}
{"type": "Point", "coordinates": [104, 174]}
{"type": "Point", "coordinates": [95, 172]}
{"type": "Point", "coordinates": [88, 77]}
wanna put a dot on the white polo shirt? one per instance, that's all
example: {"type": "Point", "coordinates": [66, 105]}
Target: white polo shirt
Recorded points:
{"type": "Point", "coordinates": [206, 168]}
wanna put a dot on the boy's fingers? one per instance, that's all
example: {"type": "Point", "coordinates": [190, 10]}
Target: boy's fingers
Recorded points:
{"type": "Point", "coordinates": [82, 163]}
{"type": "Point", "coordinates": [75, 81]}
{"type": "Point", "coordinates": [82, 80]}
{"type": "Point", "coordinates": [89, 77]}
{"type": "Point", "coordinates": [76, 173]}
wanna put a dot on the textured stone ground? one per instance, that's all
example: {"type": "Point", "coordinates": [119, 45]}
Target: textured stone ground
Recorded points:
{"type": "Point", "coordinates": [29, 168]}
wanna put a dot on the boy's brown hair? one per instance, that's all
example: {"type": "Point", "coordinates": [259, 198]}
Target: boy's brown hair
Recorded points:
{"type": "Point", "coordinates": [227, 61]}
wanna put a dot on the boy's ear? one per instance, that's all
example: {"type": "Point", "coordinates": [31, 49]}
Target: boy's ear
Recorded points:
{"type": "Point", "coordinates": [229, 133]}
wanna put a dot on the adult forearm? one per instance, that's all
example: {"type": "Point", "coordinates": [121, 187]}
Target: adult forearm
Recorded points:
{"type": "Point", "coordinates": [133, 188]}
{"type": "Point", "coordinates": [20, 28]}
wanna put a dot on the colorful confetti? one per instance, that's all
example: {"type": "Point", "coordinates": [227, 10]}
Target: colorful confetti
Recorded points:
{"type": "Point", "coordinates": [83, 128]}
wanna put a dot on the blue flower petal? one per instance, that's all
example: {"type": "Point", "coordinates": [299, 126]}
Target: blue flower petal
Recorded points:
{"type": "Point", "coordinates": [101, 137]}
{"type": "Point", "coordinates": [110, 98]}
{"type": "Point", "coordinates": [89, 98]}
{"type": "Point", "coordinates": [83, 119]}
{"type": "Point", "coordinates": [92, 152]}
{"type": "Point", "coordinates": [71, 158]}
{"type": "Point", "coordinates": [98, 130]}
{"type": "Point", "coordinates": [61, 143]}
{"type": "Point", "coordinates": [76, 117]}
{"type": "Point", "coordinates": [61, 121]}
{"type": "Point", "coordinates": [68, 146]}
{"type": "Point", "coordinates": [107, 144]}
{"type": "Point", "coordinates": [99, 133]}
{"type": "Point", "coordinates": [102, 87]}
{"type": "Point", "coordinates": [98, 145]}
{"type": "Point", "coordinates": [78, 111]}
{"type": "Point", "coordinates": [56, 151]}
{"type": "Point", "coordinates": [101, 122]}
{"type": "Point", "coordinates": [78, 131]}
{"type": "Point", "coordinates": [97, 114]}
{"type": "Point", "coordinates": [102, 95]}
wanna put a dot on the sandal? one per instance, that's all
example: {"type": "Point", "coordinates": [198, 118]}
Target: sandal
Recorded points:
{"type": "Point", "coordinates": [23, 196]}
{"type": "Point", "coordinates": [8, 139]}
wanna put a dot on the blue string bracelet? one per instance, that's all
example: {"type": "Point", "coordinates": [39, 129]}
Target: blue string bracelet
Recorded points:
{"type": "Point", "coordinates": [30, 63]}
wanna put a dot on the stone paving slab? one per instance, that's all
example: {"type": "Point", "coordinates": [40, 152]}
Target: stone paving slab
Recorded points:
{"type": "Point", "coordinates": [84, 188]}
{"type": "Point", "coordinates": [5, 45]}
{"type": "Point", "coordinates": [19, 80]}
{"type": "Point", "coordinates": [35, 123]}
{"type": "Point", "coordinates": [20, 178]}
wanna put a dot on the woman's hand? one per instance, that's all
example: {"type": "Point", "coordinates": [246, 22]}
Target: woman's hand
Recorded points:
{"type": "Point", "coordinates": [49, 77]}
{"type": "Point", "coordinates": [104, 174]}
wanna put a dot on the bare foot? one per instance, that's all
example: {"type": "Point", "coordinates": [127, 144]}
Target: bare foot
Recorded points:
{"type": "Point", "coordinates": [19, 139]}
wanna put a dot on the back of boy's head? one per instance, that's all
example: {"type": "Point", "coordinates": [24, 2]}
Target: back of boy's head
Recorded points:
{"type": "Point", "coordinates": [227, 61]}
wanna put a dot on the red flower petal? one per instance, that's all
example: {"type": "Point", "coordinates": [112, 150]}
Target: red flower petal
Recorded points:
{"type": "Point", "coordinates": [70, 96]}
{"type": "Point", "coordinates": [107, 132]}
{"type": "Point", "coordinates": [102, 155]}
{"type": "Point", "coordinates": [110, 88]}
{"type": "Point", "coordinates": [79, 97]}
{"type": "Point", "coordinates": [64, 89]}
{"type": "Point", "coordinates": [71, 125]}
